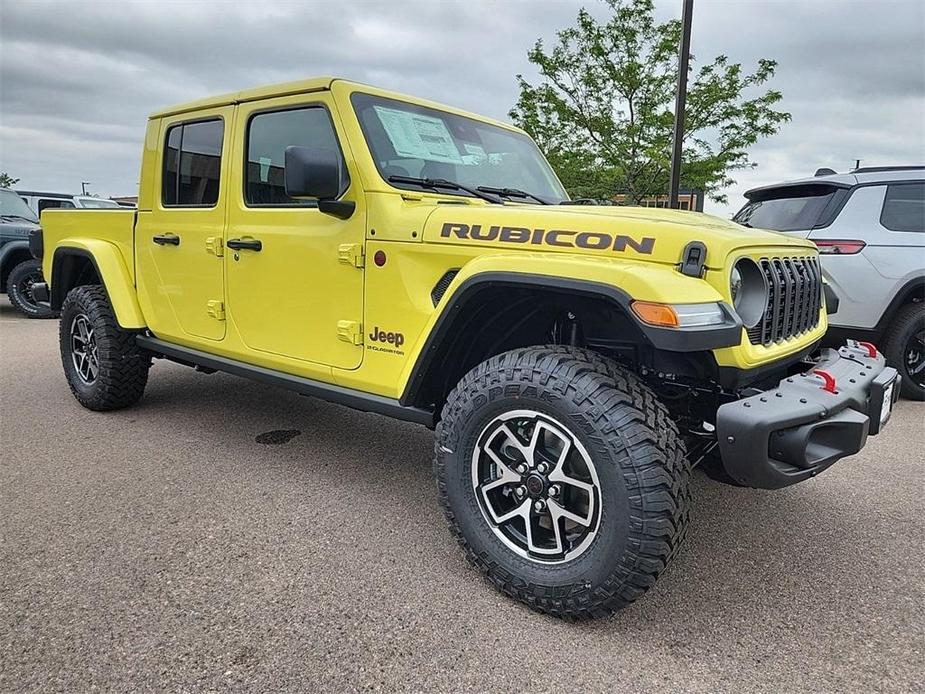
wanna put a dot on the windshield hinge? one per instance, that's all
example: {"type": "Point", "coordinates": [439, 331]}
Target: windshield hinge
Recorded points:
{"type": "Point", "coordinates": [215, 246]}
{"type": "Point", "coordinates": [351, 254]}
{"type": "Point", "coordinates": [350, 331]}
{"type": "Point", "coordinates": [693, 259]}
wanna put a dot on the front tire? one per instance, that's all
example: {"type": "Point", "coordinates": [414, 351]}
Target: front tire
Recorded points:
{"type": "Point", "coordinates": [104, 367]}
{"type": "Point", "coordinates": [19, 289]}
{"type": "Point", "coordinates": [563, 478]}
{"type": "Point", "coordinates": [904, 348]}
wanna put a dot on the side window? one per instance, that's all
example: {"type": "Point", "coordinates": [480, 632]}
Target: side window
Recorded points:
{"type": "Point", "coordinates": [52, 204]}
{"type": "Point", "coordinates": [268, 136]}
{"type": "Point", "coordinates": [192, 164]}
{"type": "Point", "coordinates": [904, 207]}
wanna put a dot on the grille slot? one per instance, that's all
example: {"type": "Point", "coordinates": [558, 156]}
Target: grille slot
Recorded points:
{"type": "Point", "coordinates": [442, 285]}
{"type": "Point", "coordinates": [794, 299]}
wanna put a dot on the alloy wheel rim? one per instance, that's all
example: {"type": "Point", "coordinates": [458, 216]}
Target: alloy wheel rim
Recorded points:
{"type": "Point", "coordinates": [915, 357]}
{"type": "Point", "coordinates": [84, 349]}
{"type": "Point", "coordinates": [536, 486]}
{"type": "Point", "coordinates": [26, 285]}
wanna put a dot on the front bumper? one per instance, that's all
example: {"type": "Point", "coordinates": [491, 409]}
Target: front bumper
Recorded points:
{"type": "Point", "coordinates": [796, 430]}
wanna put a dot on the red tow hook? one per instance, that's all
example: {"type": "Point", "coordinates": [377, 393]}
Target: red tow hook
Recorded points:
{"type": "Point", "coordinates": [869, 346]}
{"type": "Point", "coordinates": [828, 378]}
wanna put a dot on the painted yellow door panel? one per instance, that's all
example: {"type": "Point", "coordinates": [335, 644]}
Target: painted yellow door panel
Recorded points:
{"type": "Point", "coordinates": [181, 278]}
{"type": "Point", "coordinates": [295, 296]}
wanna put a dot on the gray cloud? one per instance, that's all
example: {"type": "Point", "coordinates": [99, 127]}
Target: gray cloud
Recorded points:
{"type": "Point", "coordinates": [77, 80]}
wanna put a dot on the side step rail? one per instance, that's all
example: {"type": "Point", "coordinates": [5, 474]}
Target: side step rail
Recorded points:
{"type": "Point", "coordinates": [304, 386]}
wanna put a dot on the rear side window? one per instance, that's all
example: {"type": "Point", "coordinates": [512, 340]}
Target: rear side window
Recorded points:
{"type": "Point", "coordinates": [792, 208]}
{"type": "Point", "coordinates": [192, 164]}
{"type": "Point", "coordinates": [904, 207]}
{"type": "Point", "coordinates": [268, 136]}
{"type": "Point", "coordinates": [47, 204]}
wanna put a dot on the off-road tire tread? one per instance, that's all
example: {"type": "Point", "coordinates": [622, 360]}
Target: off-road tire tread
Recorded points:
{"type": "Point", "coordinates": [123, 365]}
{"type": "Point", "coordinates": [12, 292]}
{"type": "Point", "coordinates": [894, 344]}
{"type": "Point", "coordinates": [649, 451]}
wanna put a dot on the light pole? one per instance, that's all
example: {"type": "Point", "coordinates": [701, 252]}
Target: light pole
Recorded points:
{"type": "Point", "coordinates": [680, 102]}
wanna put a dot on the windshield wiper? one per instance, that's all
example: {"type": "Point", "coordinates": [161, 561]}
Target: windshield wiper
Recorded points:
{"type": "Point", "coordinates": [513, 193]}
{"type": "Point", "coordinates": [437, 183]}
{"type": "Point", "coordinates": [18, 216]}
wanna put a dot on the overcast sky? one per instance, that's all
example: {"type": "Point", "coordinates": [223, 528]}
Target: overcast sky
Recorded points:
{"type": "Point", "coordinates": [77, 79]}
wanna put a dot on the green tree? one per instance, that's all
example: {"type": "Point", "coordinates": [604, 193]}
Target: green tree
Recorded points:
{"type": "Point", "coordinates": [603, 111]}
{"type": "Point", "coordinates": [7, 181]}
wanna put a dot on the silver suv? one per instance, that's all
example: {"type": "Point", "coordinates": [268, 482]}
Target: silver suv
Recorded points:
{"type": "Point", "coordinates": [869, 225]}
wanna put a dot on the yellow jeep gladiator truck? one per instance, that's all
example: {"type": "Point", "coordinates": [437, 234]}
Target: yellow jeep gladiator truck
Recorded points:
{"type": "Point", "coordinates": [417, 261]}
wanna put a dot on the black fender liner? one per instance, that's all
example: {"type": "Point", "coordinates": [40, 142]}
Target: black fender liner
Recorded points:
{"type": "Point", "coordinates": [61, 273]}
{"type": "Point", "coordinates": [701, 339]}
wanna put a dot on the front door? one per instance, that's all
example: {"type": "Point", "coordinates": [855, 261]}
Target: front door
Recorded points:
{"type": "Point", "coordinates": [295, 280]}
{"type": "Point", "coordinates": [181, 278]}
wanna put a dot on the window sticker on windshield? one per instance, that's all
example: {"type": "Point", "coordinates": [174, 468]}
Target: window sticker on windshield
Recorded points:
{"type": "Point", "coordinates": [418, 137]}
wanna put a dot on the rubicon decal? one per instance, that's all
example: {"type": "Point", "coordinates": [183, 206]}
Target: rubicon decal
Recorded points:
{"type": "Point", "coordinates": [564, 238]}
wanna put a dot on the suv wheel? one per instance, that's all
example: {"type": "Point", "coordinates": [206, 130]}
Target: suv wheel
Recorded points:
{"type": "Point", "coordinates": [104, 367]}
{"type": "Point", "coordinates": [904, 347]}
{"type": "Point", "coordinates": [563, 478]}
{"type": "Point", "coordinates": [19, 289]}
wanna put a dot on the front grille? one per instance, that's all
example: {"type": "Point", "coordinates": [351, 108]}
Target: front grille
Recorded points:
{"type": "Point", "coordinates": [794, 299]}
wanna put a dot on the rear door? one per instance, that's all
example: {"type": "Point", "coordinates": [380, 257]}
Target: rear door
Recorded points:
{"type": "Point", "coordinates": [179, 273]}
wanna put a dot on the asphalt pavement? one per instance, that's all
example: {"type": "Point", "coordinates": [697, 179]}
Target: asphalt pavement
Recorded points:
{"type": "Point", "coordinates": [225, 535]}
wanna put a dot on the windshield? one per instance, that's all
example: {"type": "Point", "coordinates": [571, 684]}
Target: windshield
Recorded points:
{"type": "Point", "coordinates": [797, 208]}
{"type": "Point", "coordinates": [11, 205]}
{"type": "Point", "coordinates": [420, 142]}
{"type": "Point", "coordinates": [97, 203]}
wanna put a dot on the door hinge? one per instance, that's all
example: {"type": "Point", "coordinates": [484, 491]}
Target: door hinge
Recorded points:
{"type": "Point", "coordinates": [216, 309]}
{"type": "Point", "coordinates": [350, 331]}
{"type": "Point", "coordinates": [351, 254]}
{"type": "Point", "coordinates": [215, 246]}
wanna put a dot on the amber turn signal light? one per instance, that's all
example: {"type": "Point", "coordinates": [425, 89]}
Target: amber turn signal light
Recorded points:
{"type": "Point", "coordinates": [656, 314]}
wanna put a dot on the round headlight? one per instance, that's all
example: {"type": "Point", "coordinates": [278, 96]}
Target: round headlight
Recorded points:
{"type": "Point", "coordinates": [735, 283]}
{"type": "Point", "coordinates": [749, 290]}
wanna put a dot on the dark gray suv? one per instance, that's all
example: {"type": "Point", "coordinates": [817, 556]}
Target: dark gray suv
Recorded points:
{"type": "Point", "coordinates": [19, 271]}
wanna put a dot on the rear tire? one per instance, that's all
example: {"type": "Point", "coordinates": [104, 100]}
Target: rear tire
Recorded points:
{"type": "Point", "coordinates": [104, 367]}
{"type": "Point", "coordinates": [904, 348]}
{"type": "Point", "coordinates": [19, 289]}
{"type": "Point", "coordinates": [625, 453]}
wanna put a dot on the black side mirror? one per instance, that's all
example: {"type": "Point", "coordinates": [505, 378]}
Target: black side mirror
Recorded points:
{"type": "Point", "coordinates": [314, 172]}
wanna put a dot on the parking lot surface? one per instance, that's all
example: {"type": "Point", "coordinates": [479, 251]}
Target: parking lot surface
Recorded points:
{"type": "Point", "coordinates": [164, 548]}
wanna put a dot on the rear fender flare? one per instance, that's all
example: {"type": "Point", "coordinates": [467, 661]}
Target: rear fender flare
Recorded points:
{"type": "Point", "coordinates": [110, 267]}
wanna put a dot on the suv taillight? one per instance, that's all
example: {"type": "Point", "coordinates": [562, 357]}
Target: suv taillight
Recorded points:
{"type": "Point", "coordinates": [839, 246]}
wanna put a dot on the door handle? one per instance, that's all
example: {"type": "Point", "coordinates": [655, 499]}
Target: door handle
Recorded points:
{"type": "Point", "coordinates": [167, 239]}
{"type": "Point", "coordinates": [244, 244]}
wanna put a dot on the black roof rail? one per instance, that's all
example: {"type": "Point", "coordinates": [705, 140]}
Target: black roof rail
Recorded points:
{"type": "Point", "coordinates": [879, 169]}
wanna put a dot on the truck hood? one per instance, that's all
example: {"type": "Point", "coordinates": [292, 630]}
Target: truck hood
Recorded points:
{"type": "Point", "coordinates": [638, 233]}
{"type": "Point", "coordinates": [16, 230]}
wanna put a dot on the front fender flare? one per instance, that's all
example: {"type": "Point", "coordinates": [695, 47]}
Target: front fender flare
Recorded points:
{"type": "Point", "coordinates": [618, 281]}
{"type": "Point", "coordinates": [11, 247]}
{"type": "Point", "coordinates": [110, 268]}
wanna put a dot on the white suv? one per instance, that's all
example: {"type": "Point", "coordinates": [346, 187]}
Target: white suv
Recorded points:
{"type": "Point", "coordinates": [38, 201]}
{"type": "Point", "coordinates": [869, 225]}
